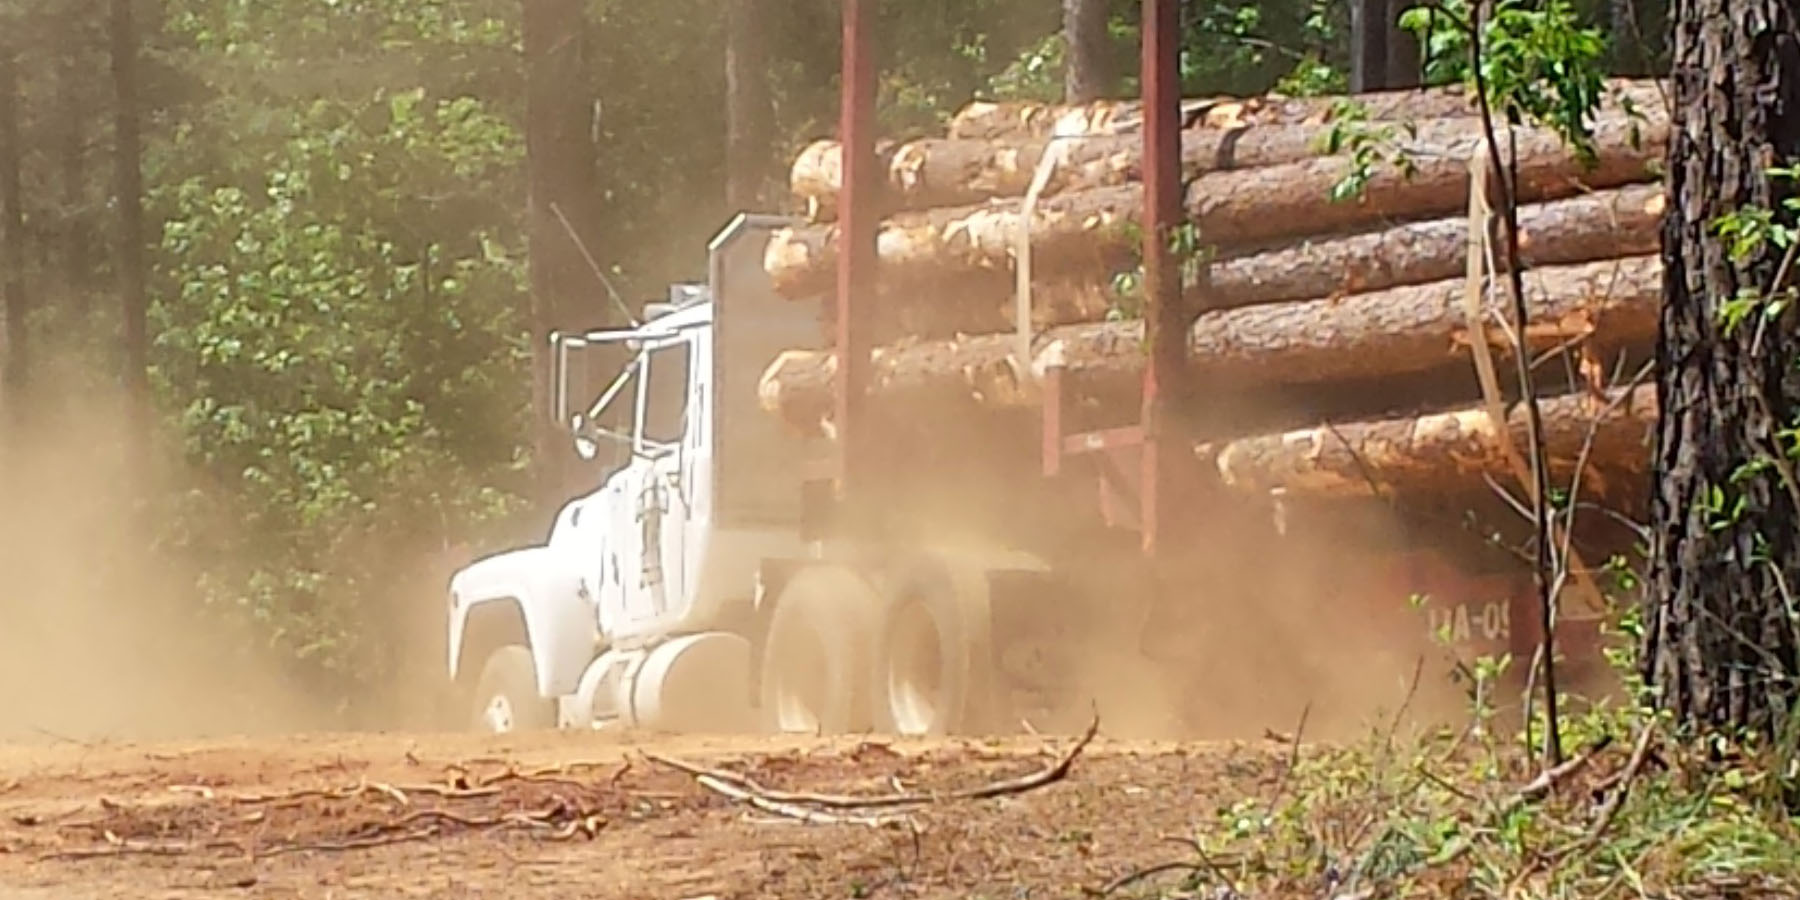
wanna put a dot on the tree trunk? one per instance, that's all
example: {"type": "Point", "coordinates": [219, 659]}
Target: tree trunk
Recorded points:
{"type": "Point", "coordinates": [70, 77]}
{"type": "Point", "coordinates": [1721, 640]}
{"type": "Point", "coordinates": [15, 372]}
{"type": "Point", "coordinates": [1445, 453]}
{"type": "Point", "coordinates": [1601, 225]}
{"type": "Point", "coordinates": [561, 167]}
{"type": "Point", "coordinates": [1088, 70]}
{"type": "Point", "coordinates": [1093, 230]}
{"type": "Point", "coordinates": [937, 172]}
{"type": "Point", "coordinates": [748, 111]}
{"type": "Point", "coordinates": [1368, 46]}
{"type": "Point", "coordinates": [1021, 120]}
{"type": "Point", "coordinates": [1381, 334]}
{"type": "Point", "coordinates": [128, 191]}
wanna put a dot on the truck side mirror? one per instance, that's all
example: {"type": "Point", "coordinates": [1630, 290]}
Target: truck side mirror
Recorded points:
{"type": "Point", "coordinates": [585, 446]}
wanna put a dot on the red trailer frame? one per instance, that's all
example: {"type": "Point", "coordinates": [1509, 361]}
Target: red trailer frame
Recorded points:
{"type": "Point", "coordinates": [1155, 444]}
{"type": "Point", "coordinates": [1137, 469]}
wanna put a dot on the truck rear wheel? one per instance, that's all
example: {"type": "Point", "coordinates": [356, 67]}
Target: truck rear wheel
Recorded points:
{"type": "Point", "coordinates": [506, 698]}
{"type": "Point", "coordinates": [932, 657]}
{"type": "Point", "coordinates": [814, 675]}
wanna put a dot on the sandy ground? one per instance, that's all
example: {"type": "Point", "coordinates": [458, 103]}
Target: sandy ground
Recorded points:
{"type": "Point", "coordinates": [591, 815]}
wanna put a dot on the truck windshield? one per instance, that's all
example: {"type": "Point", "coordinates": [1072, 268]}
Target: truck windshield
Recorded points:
{"type": "Point", "coordinates": [665, 403]}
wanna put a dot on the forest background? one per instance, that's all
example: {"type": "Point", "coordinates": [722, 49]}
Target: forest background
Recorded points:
{"type": "Point", "coordinates": [268, 365]}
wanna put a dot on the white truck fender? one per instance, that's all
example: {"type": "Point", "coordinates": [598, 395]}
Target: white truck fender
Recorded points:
{"type": "Point", "coordinates": [559, 619]}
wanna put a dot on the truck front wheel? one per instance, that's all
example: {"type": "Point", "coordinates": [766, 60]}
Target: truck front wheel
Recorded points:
{"type": "Point", "coordinates": [506, 698]}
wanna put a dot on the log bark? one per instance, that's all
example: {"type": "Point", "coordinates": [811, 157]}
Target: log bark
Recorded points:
{"type": "Point", "coordinates": [941, 172]}
{"type": "Point", "coordinates": [982, 120]}
{"type": "Point", "coordinates": [1601, 225]}
{"type": "Point", "coordinates": [938, 172]}
{"type": "Point", "coordinates": [1446, 452]}
{"type": "Point", "coordinates": [1093, 230]}
{"type": "Point", "coordinates": [1379, 334]}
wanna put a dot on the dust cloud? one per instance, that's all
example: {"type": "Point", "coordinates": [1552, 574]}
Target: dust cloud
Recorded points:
{"type": "Point", "coordinates": [1248, 627]}
{"type": "Point", "coordinates": [105, 637]}
{"type": "Point", "coordinates": [1254, 634]}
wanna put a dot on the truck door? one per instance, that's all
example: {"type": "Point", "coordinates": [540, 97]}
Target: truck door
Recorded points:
{"type": "Point", "coordinates": [662, 497]}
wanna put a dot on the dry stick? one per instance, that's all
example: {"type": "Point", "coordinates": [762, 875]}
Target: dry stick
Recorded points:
{"type": "Point", "coordinates": [392, 792]}
{"type": "Point", "coordinates": [1549, 779]}
{"type": "Point", "coordinates": [1540, 486]}
{"type": "Point", "coordinates": [1033, 781]}
{"type": "Point", "coordinates": [133, 848]}
{"type": "Point", "coordinates": [792, 810]}
{"type": "Point", "coordinates": [1292, 760]}
{"type": "Point", "coordinates": [1610, 811]}
{"type": "Point", "coordinates": [1130, 878]}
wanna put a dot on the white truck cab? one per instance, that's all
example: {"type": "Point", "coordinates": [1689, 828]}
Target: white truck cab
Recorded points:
{"type": "Point", "coordinates": [682, 593]}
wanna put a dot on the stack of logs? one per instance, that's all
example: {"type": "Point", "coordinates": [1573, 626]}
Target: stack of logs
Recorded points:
{"type": "Point", "coordinates": [1362, 298]}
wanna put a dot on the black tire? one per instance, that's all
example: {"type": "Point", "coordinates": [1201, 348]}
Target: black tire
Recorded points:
{"type": "Point", "coordinates": [933, 661]}
{"type": "Point", "coordinates": [815, 676]}
{"type": "Point", "coordinates": [509, 679]}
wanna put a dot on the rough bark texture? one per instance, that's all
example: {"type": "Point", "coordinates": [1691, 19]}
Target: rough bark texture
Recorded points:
{"type": "Point", "coordinates": [749, 112]}
{"type": "Point", "coordinates": [1725, 548]}
{"type": "Point", "coordinates": [1445, 452]}
{"type": "Point", "coordinates": [1092, 230]}
{"type": "Point", "coordinates": [1088, 70]}
{"type": "Point", "coordinates": [1384, 333]}
{"type": "Point", "coordinates": [128, 193]}
{"type": "Point", "coordinates": [15, 369]}
{"type": "Point", "coordinates": [940, 172]}
{"type": "Point", "coordinates": [1601, 225]}
{"type": "Point", "coordinates": [1016, 120]}
{"type": "Point", "coordinates": [1369, 46]}
{"type": "Point", "coordinates": [937, 172]}
{"type": "Point", "coordinates": [560, 166]}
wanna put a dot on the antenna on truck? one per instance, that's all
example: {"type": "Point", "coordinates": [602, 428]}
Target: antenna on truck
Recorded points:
{"type": "Point", "coordinates": [593, 266]}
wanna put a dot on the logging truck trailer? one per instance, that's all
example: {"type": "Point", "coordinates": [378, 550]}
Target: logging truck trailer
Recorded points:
{"type": "Point", "coordinates": [711, 583]}
{"type": "Point", "coordinates": [908, 575]}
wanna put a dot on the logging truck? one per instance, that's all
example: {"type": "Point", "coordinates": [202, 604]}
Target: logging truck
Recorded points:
{"type": "Point", "coordinates": [955, 490]}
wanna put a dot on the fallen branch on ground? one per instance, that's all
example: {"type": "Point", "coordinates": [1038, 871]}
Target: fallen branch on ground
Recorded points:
{"type": "Point", "coordinates": [793, 810]}
{"type": "Point", "coordinates": [1022, 784]}
{"type": "Point", "coordinates": [1616, 799]}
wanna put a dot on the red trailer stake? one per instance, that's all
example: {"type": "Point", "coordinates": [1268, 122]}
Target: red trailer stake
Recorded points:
{"type": "Point", "coordinates": [856, 258]}
{"type": "Point", "coordinates": [1164, 322]}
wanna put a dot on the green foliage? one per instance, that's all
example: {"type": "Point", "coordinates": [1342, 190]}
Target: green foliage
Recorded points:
{"type": "Point", "coordinates": [1539, 64]}
{"type": "Point", "coordinates": [352, 393]}
{"type": "Point", "coordinates": [1368, 146]}
{"type": "Point", "coordinates": [1456, 813]}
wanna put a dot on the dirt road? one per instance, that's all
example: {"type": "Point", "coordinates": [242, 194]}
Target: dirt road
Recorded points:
{"type": "Point", "coordinates": [589, 816]}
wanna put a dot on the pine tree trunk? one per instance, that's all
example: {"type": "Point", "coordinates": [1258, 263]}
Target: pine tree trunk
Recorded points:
{"type": "Point", "coordinates": [1087, 59]}
{"type": "Point", "coordinates": [15, 370]}
{"type": "Point", "coordinates": [1078, 233]}
{"type": "Point", "coordinates": [70, 76]}
{"type": "Point", "coordinates": [1368, 46]}
{"type": "Point", "coordinates": [748, 112]}
{"type": "Point", "coordinates": [1721, 642]}
{"type": "Point", "coordinates": [1446, 452]}
{"type": "Point", "coordinates": [1381, 334]}
{"type": "Point", "coordinates": [128, 191]}
{"type": "Point", "coordinates": [561, 167]}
